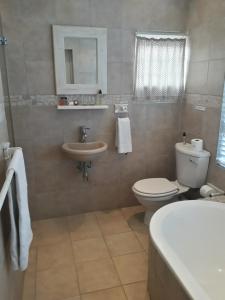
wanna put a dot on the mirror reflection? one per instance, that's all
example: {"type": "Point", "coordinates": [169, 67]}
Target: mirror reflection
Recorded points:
{"type": "Point", "coordinates": [80, 60]}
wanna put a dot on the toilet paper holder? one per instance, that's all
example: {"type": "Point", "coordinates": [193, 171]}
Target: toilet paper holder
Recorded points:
{"type": "Point", "coordinates": [210, 190]}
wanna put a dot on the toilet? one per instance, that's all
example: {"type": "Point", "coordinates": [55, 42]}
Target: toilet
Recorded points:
{"type": "Point", "coordinates": [191, 168]}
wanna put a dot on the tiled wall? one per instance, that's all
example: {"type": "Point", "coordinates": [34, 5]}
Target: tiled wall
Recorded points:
{"type": "Point", "coordinates": [206, 78]}
{"type": "Point", "coordinates": [56, 187]}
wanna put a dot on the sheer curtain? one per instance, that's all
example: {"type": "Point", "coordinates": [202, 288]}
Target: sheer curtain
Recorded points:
{"type": "Point", "coordinates": [160, 67]}
{"type": "Point", "coordinates": [220, 156]}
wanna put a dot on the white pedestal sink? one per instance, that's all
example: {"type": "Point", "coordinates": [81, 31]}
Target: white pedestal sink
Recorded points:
{"type": "Point", "coordinates": [84, 151]}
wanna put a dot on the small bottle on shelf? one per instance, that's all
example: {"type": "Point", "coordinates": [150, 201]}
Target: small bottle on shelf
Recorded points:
{"type": "Point", "coordinates": [99, 98]}
{"type": "Point", "coordinates": [184, 136]}
{"type": "Point", "coordinates": [63, 101]}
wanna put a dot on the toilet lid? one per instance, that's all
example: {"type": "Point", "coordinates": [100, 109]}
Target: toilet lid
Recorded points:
{"type": "Point", "coordinates": [155, 186]}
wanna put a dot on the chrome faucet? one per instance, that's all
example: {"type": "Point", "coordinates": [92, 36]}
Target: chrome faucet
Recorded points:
{"type": "Point", "coordinates": [83, 134]}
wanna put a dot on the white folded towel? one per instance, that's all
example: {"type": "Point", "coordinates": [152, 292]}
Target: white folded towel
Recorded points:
{"type": "Point", "coordinates": [21, 232]}
{"type": "Point", "coordinates": [123, 135]}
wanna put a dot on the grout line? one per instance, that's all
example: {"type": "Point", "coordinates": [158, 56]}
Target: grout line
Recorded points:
{"type": "Point", "coordinates": [146, 250]}
{"type": "Point", "coordinates": [143, 251]}
{"type": "Point", "coordinates": [73, 255]}
{"type": "Point", "coordinates": [106, 289]}
{"type": "Point", "coordinates": [130, 253]}
{"type": "Point", "coordinates": [101, 236]}
{"type": "Point", "coordinates": [114, 266]}
{"type": "Point", "coordinates": [36, 270]}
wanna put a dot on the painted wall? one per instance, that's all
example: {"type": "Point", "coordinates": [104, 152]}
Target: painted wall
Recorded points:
{"type": "Point", "coordinates": [56, 187]}
{"type": "Point", "coordinates": [206, 25]}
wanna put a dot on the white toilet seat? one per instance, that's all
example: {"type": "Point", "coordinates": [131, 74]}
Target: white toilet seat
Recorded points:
{"type": "Point", "coordinates": [155, 188]}
{"type": "Point", "coordinates": [154, 196]}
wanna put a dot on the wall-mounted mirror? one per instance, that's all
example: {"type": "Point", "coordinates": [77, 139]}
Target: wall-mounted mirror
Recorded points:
{"type": "Point", "coordinates": [80, 59]}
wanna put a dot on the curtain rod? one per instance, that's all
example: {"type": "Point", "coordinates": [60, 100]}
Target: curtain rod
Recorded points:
{"type": "Point", "coordinates": [156, 32]}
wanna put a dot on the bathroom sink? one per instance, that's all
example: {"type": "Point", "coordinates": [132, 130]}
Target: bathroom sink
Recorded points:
{"type": "Point", "coordinates": [84, 151]}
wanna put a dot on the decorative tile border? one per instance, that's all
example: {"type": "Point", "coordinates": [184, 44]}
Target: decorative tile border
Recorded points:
{"type": "Point", "coordinates": [204, 100]}
{"type": "Point", "coordinates": [52, 100]}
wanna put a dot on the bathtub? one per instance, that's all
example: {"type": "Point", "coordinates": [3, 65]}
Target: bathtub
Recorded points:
{"type": "Point", "coordinates": [190, 238]}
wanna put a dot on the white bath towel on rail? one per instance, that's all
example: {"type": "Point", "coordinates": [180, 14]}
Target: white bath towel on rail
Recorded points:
{"type": "Point", "coordinates": [123, 135]}
{"type": "Point", "coordinates": [21, 232]}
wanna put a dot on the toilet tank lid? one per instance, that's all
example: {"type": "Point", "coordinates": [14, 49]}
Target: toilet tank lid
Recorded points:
{"type": "Point", "coordinates": [189, 150]}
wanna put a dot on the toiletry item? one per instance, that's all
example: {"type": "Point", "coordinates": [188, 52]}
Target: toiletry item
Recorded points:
{"type": "Point", "coordinates": [197, 144]}
{"type": "Point", "coordinates": [75, 102]}
{"type": "Point", "coordinates": [99, 98]}
{"type": "Point", "coordinates": [92, 100]}
{"type": "Point", "coordinates": [184, 137]}
{"type": "Point", "coordinates": [66, 101]}
{"type": "Point", "coordinates": [63, 101]}
{"type": "Point", "coordinates": [85, 100]}
{"type": "Point", "coordinates": [70, 102]}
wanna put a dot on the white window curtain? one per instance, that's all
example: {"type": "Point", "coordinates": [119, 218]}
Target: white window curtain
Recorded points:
{"type": "Point", "coordinates": [160, 67]}
{"type": "Point", "coordinates": [220, 157]}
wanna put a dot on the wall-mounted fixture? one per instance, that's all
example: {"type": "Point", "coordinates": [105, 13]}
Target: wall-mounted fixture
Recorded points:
{"type": "Point", "coordinates": [84, 153]}
{"type": "Point", "coordinates": [3, 40]}
{"type": "Point", "coordinates": [82, 107]}
{"type": "Point", "coordinates": [80, 55]}
{"type": "Point", "coordinates": [121, 108]}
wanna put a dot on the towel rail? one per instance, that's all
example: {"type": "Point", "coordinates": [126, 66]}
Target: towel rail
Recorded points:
{"type": "Point", "coordinates": [5, 187]}
{"type": "Point", "coordinates": [7, 154]}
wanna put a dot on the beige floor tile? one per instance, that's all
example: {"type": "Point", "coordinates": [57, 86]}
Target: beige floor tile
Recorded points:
{"type": "Point", "coordinates": [136, 222]}
{"type": "Point", "coordinates": [32, 265]}
{"type": "Point", "coordinates": [111, 294]}
{"type": "Point", "coordinates": [129, 212]}
{"type": "Point", "coordinates": [29, 286]}
{"type": "Point", "coordinates": [123, 243]}
{"type": "Point", "coordinates": [143, 238]}
{"type": "Point", "coordinates": [97, 275]}
{"type": "Point", "coordinates": [84, 226]}
{"type": "Point", "coordinates": [132, 267]}
{"type": "Point", "coordinates": [56, 284]}
{"type": "Point", "coordinates": [91, 249]}
{"type": "Point", "coordinates": [140, 229]}
{"type": "Point", "coordinates": [57, 256]}
{"type": "Point", "coordinates": [136, 291]}
{"type": "Point", "coordinates": [50, 231]}
{"type": "Point", "coordinates": [112, 222]}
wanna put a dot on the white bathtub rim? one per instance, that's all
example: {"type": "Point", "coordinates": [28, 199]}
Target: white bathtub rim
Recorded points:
{"type": "Point", "coordinates": [193, 289]}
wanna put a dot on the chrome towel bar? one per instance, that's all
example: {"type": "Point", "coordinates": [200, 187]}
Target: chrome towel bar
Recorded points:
{"type": "Point", "coordinates": [5, 187]}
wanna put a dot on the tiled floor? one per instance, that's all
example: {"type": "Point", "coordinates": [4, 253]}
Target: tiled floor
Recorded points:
{"type": "Point", "coordinates": [93, 256]}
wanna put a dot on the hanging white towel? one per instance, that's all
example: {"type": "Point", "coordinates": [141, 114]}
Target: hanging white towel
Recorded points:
{"type": "Point", "coordinates": [21, 232]}
{"type": "Point", "coordinates": [123, 135]}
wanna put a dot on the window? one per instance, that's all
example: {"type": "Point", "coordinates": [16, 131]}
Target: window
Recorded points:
{"type": "Point", "coordinates": [220, 156]}
{"type": "Point", "coordinates": [160, 67]}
